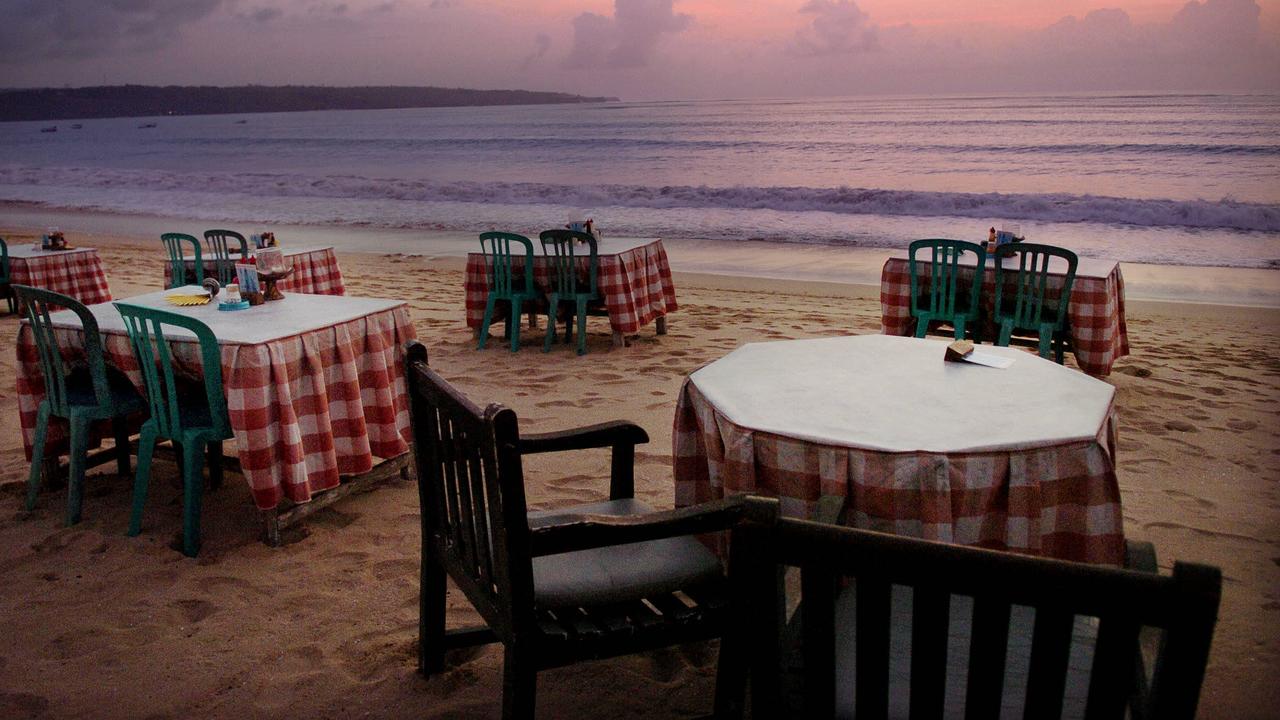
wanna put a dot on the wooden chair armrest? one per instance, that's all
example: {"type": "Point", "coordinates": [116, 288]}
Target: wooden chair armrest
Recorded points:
{"type": "Point", "coordinates": [606, 434]}
{"type": "Point", "coordinates": [620, 435]}
{"type": "Point", "coordinates": [585, 532]}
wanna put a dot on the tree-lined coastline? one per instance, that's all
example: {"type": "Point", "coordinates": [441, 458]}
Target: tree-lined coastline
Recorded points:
{"type": "Point", "coordinates": [147, 101]}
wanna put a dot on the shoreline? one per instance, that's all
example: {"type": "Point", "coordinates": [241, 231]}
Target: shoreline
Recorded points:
{"type": "Point", "coordinates": [762, 260]}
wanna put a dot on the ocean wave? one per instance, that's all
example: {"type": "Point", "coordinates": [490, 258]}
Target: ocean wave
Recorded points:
{"type": "Point", "coordinates": [1225, 214]}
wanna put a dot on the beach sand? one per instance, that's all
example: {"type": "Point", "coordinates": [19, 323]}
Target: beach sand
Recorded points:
{"type": "Point", "coordinates": [96, 624]}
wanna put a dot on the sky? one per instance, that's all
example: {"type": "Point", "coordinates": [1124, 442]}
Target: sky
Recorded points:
{"type": "Point", "coordinates": [652, 49]}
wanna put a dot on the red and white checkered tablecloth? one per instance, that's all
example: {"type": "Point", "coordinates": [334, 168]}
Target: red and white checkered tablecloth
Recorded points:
{"type": "Point", "coordinates": [315, 272]}
{"type": "Point", "coordinates": [77, 273]}
{"type": "Point", "coordinates": [1099, 335]}
{"type": "Point", "coordinates": [1060, 501]}
{"type": "Point", "coordinates": [635, 283]}
{"type": "Point", "coordinates": [305, 408]}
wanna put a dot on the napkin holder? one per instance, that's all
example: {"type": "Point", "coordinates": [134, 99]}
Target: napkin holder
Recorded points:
{"type": "Point", "coordinates": [958, 351]}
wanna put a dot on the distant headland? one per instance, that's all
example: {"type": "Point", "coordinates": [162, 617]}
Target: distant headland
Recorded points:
{"type": "Point", "coordinates": [146, 101]}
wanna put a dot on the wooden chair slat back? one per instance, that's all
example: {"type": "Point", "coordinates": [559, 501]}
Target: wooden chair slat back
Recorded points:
{"type": "Point", "coordinates": [471, 490]}
{"type": "Point", "coordinates": [1183, 605]}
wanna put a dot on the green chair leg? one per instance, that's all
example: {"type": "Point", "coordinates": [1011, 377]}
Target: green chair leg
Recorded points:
{"type": "Point", "coordinates": [553, 303]}
{"type": "Point", "coordinates": [582, 326]}
{"type": "Point", "coordinates": [192, 492]}
{"type": "Point", "coordinates": [75, 474]}
{"type": "Point", "coordinates": [484, 324]}
{"type": "Point", "coordinates": [922, 326]}
{"type": "Point", "coordinates": [215, 464]}
{"type": "Point", "coordinates": [514, 320]}
{"type": "Point", "coordinates": [959, 327]}
{"type": "Point", "coordinates": [141, 481]}
{"type": "Point", "coordinates": [37, 455]}
{"type": "Point", "coordinates": [1046, 340]}
{"type": "Point", "coordinates": [121, 431]}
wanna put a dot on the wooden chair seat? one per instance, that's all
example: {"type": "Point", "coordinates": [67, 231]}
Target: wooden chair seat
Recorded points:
{"type": "Point", "coordinates": [618, 573]}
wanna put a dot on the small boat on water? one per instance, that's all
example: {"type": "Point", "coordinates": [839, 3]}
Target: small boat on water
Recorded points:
{"type": "Point", "coordinates": [241, 122]}
{"type": "Point", "coordinates": [144, 126]}
{"type": "Point", "coordinates": [51, 128]}
{"type": "Point", "coordinates": [77, 126]}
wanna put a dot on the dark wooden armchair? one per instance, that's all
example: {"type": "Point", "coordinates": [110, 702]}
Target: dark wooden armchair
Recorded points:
{"type": "Point", "coordinates": [590, 581]}
{"type": "Point", "coordinates": [889, 626]}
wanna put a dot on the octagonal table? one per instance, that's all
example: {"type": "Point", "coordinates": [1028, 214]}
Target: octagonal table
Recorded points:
{"type": "Point", "coordinates": [1020, 458]}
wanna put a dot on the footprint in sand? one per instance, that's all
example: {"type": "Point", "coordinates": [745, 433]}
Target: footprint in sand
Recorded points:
{"type": "Point", "coordinates": [19, 705]}
{"type": "Point", "coordinates": [193, 610]}
{"type": "Point", "coordinates": [1181, 426]}
{"type": "Point", "coordinates": [1188, 496]}
{"type": "Point", "coordinates": [1241, 425]}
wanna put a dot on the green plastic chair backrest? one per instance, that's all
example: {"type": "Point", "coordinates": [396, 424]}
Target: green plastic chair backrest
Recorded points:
{"type": "Point", "coordinates": [944, 275]}
{"type": "Point", "coordinates": [37, 305]}
{"type": "Point", "coordinates": [4, 261]}
{"type": "Point", "coordinates": [145, 327]}
{"type": "Point", "coordinates": [563, 247]}
{"type": "Point", "coordinates": [1030, 283]}
{"type": "Point", "coordinates": [504, 276]}
{"type": "Point", "coordinates": [216, 244]}
{"type": "Point", "coordinates": [173, 242]}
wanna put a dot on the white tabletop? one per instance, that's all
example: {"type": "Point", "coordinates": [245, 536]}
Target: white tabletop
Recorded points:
{"type": "Point", "coordinates": [896, 394]}
{"type": "Point", "coordinates": [295, 314]}
{"type": "Point", "coordinates": [287, 251]}
{"type": "Point", "coordinates": [25, 250]}
{"type": "Point", "coordinates": [1085, 268]}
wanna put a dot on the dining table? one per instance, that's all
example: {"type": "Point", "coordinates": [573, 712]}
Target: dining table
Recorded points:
{"type": "Point", "coordinates": [1020, 458]}
{"type": "Point", "coordinates": [1096, 318]}
{"type": "Point", "coordinates": [634, 281]}
{"type": "Point", "coordinates": [314, 384]}
{"type": "Point", "coordinates": [75, 271]}
{"type": "Point", "coordinates": [315, 269]}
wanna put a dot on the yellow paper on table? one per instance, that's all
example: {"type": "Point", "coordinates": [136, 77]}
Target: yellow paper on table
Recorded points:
{"type": "Point", "coordinates": [187, 295]}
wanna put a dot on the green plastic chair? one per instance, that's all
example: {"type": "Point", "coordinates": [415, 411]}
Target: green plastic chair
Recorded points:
{"type": "Point", "coordinates": [507, 282]}
{"type": "Point", "coordinates": [1028, 310]}
{"type": "Point", "coordinates": [6, 289]}
{"type": "Point", "coordinates": [216, 243]}
{"type": "Point", "coordinates": [81, 393]}
{"type": "Point", "coordinates": [568, 286]}
{"type": "Point", "coordinates": [190, 418]}
{"type": "Point", "coordinates": [943, 301]}
{"type": "Point", "coordinates": [173, 242]}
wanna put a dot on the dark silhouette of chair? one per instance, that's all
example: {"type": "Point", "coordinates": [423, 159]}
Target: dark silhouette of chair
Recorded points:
{"type": "Point", "coordinates": [1040, 633]}
{"type": "Point", "coordinates": [217, 245]}
{"type": "Point", "coordinates": [944, 301]}
{"type": "Point", "coordinates": [555, 587]}
{"type": "Point", "coordinates": [81, 393]}
{"type": "Point", "coordinates": [509, 281]}
{"type": "Point", "coordinates": [193, 418]}
{"type": "Point", "coordinates": [173, 243]}
{"type": "Point", "coordinates": [568, 285]}
{"type": "Point", "coordinates": [6, 288]}
{"type": "Point", "coordinates": [1021, 305]}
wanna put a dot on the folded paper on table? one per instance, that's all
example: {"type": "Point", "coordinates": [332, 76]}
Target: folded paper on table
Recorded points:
{"type": "Point", "coordinates": [987, 359]}
{"type": "Point", "coordinates": [247, 275]}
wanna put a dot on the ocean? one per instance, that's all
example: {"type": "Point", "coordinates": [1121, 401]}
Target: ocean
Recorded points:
{"type": "Point", "coordinates": [1161, 179]}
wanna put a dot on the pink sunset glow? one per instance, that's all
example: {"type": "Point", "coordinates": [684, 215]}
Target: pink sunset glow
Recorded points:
{"type": "Point", "coordinates": [655, 49]}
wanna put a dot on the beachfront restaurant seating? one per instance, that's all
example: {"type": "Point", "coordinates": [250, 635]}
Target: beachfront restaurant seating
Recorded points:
{"type": "Point", "coordinates": [1021, 302]}
{"type": "Point", "coordinates": [80, 392]}
{"type": "Point", "coordinates": [173, 245]}
{"type": "Point", "coordinates": [563, 248]}
{"type": "Point", "coordinates": [194, 418]}
{"type": "Point", "coordinates": [554, 587]}
{"type": "Point", "coordinates": [6, 288]}
{"type": "Point", "coordinates": [217, 246]}
{"type": "Point", "coordinates": [892, 626]}
{"type": "Point", "coordinates": [945, 300]}
{"type": "Point", "coordinates": [510, 283]}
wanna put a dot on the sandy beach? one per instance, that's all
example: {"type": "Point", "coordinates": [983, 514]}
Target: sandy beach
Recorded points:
{"type": "Point", "coordinates": [97, 624]}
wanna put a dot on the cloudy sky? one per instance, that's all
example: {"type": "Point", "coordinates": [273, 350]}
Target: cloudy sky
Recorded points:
{"type": "Point", "coordinates": [651, 49]}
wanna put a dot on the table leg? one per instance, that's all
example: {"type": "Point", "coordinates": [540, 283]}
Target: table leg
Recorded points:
{"type": "Point", "coordinates": [661, 324]}
{"type": "Point", "coordinates": [619, 340]}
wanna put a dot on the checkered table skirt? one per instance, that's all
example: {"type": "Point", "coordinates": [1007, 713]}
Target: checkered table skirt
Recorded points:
{"type": "Point", "coordinates": [1060, 501]}
{"type": "Point", "coordinates": [636, 285]}
{"type": "Point", "coordinates": [78, 274]}
{"type": "Point", "coordinates": [305, 409]}
{"type": "Point", "coordinates": [1098, 332]}
{"type": "Point", "coordinates": [315, 273]}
